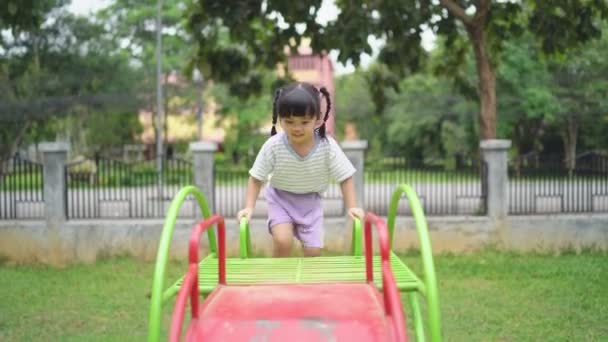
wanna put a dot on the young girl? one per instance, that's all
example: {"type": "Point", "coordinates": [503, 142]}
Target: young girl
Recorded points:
{"type": "Point", "coordinates": [298, 164]}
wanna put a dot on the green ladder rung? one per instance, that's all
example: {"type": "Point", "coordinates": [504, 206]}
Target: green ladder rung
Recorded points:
{"type": "Point", "coordinates": [315, 270]}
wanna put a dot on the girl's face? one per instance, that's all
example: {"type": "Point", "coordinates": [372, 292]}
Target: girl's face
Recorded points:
{"type": "Point", "coordinates": [299, 129]}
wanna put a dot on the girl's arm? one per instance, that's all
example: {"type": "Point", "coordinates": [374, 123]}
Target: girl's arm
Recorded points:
{"type": "Point", "coordinates": [253, 190]}
{"type": "Point", "coordinates": [350, 198]}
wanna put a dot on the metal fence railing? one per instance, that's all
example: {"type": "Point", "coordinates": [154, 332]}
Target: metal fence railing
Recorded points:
{"type": "Point", "coordinates": [230, 187]}
{"type": "Point", "coordinates": [21, 195]}
{"type": "Point", "coordinates": [106, 188]}
{"type": "Point", "coordinates": [552, 185]}
{"type": "Point", "coordinates": [442, 190]}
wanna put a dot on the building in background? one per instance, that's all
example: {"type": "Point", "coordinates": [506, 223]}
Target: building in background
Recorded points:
{"type": "Point", "coordinates": [316, 69]}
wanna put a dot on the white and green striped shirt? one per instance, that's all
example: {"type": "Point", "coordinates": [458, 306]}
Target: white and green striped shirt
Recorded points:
{"type": "Point", "coordinates": [280, 165]}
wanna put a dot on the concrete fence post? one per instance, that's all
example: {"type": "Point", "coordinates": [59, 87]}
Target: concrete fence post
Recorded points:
{"type": "Point", "coordinates": [59, 245]}
{"type": "Point", "coordinates": [355, 151]}
{"type": "Point", "coordinates": [54, 156]}
{"type": "Point", "coordinates": [495, 155]}
{"type": "Point", "coordinates": [203, 169]}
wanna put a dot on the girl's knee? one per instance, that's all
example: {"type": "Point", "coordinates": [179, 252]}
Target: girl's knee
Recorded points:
{"type": "Point", "coordinates": [283, 241]}
{"type": "Point", "coordinates": [283, 234]}
{"type": "Point", "coordinates": [282, 246]}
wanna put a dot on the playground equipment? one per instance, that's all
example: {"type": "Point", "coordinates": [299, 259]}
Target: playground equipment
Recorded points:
{"type": "Point", "coordinates": [246, 270]}
{"type": "Point", "coordinates": [287, 312]}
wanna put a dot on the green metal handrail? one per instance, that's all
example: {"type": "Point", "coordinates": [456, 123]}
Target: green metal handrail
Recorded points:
{"type": "Point", "coordinates": [356, 244]}
{"type": "Point", "coordinates": [426, 252]}
{"type": "Point", "coordinates": [156, 302]}
{"type": "Point", "coordinates": [244, 239]}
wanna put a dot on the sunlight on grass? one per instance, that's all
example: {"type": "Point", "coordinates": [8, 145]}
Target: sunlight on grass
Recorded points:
{"type": "Point", "coordinates": [487, 296]}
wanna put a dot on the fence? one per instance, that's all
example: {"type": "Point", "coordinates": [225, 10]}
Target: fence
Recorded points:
{"type": "Point", "coordinates": [230, 185]}
{"type": "Point", "coordinates": [21, 195]}
{"type": "Point", "coordinates": [442, 191]}
{"type": "Point", "coordinates": [106, 188]}
{"type": "Point", "coordinates": [547, 185]}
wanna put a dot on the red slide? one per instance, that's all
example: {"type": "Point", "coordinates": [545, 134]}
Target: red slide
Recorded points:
{"type": "Point", "coordinates": [291, 312]}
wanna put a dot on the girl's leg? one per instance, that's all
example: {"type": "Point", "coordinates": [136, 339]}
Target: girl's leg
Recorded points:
{"type": "Point", "coordinates": [311, 251]}
{"type": "Point", "coordinates": [282, 236]}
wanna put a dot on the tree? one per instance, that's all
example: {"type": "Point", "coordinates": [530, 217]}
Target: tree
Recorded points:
{"type": "Point", "coordinates": [132, 24]}
{"type": "Point", "coordinates": [486, 24]}
{"type": "Point", "coordinates": [237, 44]}
{"type": "Point", "coordinates": [18, 19]}
{"type": "Point", "coordinates": [51, 66]}
{"type": "Point", "coordinates": [425, 108]}
{"type": "Point", "coordinates": [242, 118]}
{"type": "Point", "coordinates": [580, 87]}
{"type": "Point", "coordinates": [264, 29]}
{"type": "Point", "coordinates": [526, 102]}
{"type": "Point", "coordinates": [354, 101]}
{"type": "Point", "coordinates": [124, 127]}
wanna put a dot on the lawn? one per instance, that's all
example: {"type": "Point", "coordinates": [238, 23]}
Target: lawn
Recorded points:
{"type": "Point", "coordinates": [487, 296]}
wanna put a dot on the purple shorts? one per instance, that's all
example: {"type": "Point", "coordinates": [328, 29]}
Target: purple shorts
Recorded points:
{"type": "Point", "coordinates": [303, 210]}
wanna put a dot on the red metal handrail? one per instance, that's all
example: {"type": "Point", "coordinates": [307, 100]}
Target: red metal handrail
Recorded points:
{"type": "Point", "coordinates": [190, 283]}
{"type": "Point", "coordinates": [180, 304]}
{"type": "Point", "coordinates": [392, 302]}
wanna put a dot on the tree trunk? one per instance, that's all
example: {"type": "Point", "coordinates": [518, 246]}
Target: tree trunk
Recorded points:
{"type": "Point", "coordinates": [569, 136]}
{"type": "Point", "coordinates": [486, 84]}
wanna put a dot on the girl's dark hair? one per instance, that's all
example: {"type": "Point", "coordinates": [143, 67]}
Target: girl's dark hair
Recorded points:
{"type": "Point", "coordinates": [300, 99]}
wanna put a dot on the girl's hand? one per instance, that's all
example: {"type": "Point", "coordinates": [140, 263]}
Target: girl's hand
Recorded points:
{"type": "Point", "coordinates": [245, 213]}
{"type": "Point", "coordinates": [356, 212]}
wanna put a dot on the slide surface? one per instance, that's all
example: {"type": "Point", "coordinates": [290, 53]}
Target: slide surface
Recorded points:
{"type": "Point", "coordinates": [328, 312]}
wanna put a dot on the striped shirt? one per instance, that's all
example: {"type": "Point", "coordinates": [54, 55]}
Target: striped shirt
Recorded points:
{"type": "Point", "coordinates": [284, 169]}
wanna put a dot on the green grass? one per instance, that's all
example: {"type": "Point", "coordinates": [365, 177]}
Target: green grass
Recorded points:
{"type": "Point", "coordinates": [102, 302]}
{"type": "Point", "coordinates": [511, 297]}
{"type": "Point", "coordinates": [487, 296]}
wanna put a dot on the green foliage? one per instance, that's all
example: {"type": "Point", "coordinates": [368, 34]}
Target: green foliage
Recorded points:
{"type": "Point", "coordinates": [354, 104]}
{"type": "Point", "coordinates": [58, 65]}
{"type": "Point", "coordinates": [566, 23]}
{"type": "Point", "coordinates": [237, 41]}
{"type": "Point", "coordinates": [540, 98]}
{"type": "Point", "coordinates": [83, 165]}
{"type": "Point", "coordinates": [123, 127]}
{"type": "Point", "coordinates": [25, 15]}
{"type": "Point", "coordinates": [423, 116]}
{"type": "Point", "coordinates": [426, 120]}
{"type": "Point", "coordinates": [526, 102]}
{"type": "Point", "coordinates": [134, 21]}
{"type": "Point", "coordinates": [580, 87]}
{"type": "Point", "coordinates": [379, 78]}
{"type": "Point", "coordinates": [454, 60]}
{"type": "Point", "coordinates": [243, 118]}
{"type": "Point", "coordinates": [260, 36]}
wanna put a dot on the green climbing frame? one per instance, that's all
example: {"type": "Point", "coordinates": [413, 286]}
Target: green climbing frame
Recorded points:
{"type": "Point", "coordinates": [326, 269]}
